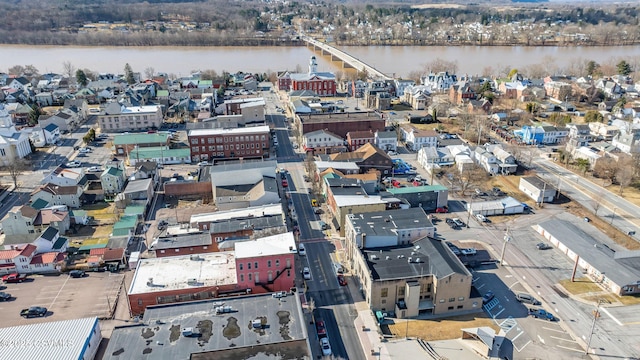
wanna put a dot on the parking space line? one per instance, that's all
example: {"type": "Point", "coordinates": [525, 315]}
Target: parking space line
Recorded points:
{"type": "Point", "coordinates": [572, 349]}
{"type": "Point", "coordinates": [517, 336]}
{"type": "Point", "coordinates": [498, 313]}
{"type": "Point", "coordinates": [61, 287]}
{"type": "Point", "coordinates": [559, 338]}
{"type": "Point", "coordinates": [480, 287]}
{"type": "Point", "coordinates": [611, 316]}
{"type": "Point", "coordinates": [523, 346]}
{"type": "Point", "coordinates": [556, 330]}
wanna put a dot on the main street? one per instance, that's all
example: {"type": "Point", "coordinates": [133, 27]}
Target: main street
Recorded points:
{"type": "Point", "coordinates": [333, 303]}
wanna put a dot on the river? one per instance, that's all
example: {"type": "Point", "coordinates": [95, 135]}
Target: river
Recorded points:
{"type": "Point", "coordinates": [398, 60]}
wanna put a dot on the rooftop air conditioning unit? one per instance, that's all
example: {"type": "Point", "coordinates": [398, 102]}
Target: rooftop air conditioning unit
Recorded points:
{"type": "Point", "coordinates": [195, 257]}
{"type": "Point", "coordinates": [417, 260]}
{"type": "Point", "coordinates": [409, 260]}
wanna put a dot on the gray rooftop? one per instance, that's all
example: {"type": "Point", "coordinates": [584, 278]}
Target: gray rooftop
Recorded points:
{"type": "Point", "coordinates": [538, 183]}
{"type": "Point", "coordinates": [256, 223]}
{"type": "Point", "coordinates": [180, 241]}
{"type": "Point", "coordinates": [619, 265]}
{"type": "Point", "coordinates": [386, 222]}
{"type": "Point", "coordinates": [225, 336]}
{"type": "Point", "coordinates": [138, 185]}
{"type": "Point", "coordinates": [435, 259]}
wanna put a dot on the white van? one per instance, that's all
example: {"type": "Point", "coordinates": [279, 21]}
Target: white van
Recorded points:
{"type": "Point", "coordinates": [527, 299]}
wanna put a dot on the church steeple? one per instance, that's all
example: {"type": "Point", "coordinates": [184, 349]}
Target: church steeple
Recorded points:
{"type": "Point", "coordinates": [313, 66]}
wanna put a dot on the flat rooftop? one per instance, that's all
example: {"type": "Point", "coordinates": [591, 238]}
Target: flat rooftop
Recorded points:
{"type": "Point", "coordinates": [250, 212]}
{"type": "Point", "coordinates": [225, 336]}
{"type": "Point", "coordinates": [234, 131]}
{"type": "Point", "coordinates": [173, 273]}
{"type": "Point", "coordinates": [339, 117]}
{"type": "Point", "coordinates": [267, 246]}
{"type": "Point", "coordinates": [435, 258]}
{"type": "Point", "coordinates": [179, 241]}
{"type": "Point", "coordinates": [386, 222]}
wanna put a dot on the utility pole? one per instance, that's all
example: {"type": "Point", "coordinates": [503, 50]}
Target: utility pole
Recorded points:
{"type": "Point", "coordinates": [507, 238]}
{"type": "Point", "coordinates": [613, 215]}
{"type": "Point", "coordinates": [596, 315]}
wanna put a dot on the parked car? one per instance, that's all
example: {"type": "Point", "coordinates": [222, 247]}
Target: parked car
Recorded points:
{"type": "Point", "coordinates": [488, 297]}
{"type": "Point", "coordinates": [321, 329]}
{"type": "Point", "coordinates": [526, 298]}
{"type": "Point", "coordinates": [76, 273]}
{"type": "Point", "coordinates": [203, 163]}
{"type": "Point", "coordinates": [306, 273]}
{"type": "Point", "coordinates": [318, 211]}
{"type": "Point", "coordinates": [341, 280]}
{"type": "Point", "coordinates": [95, 169]}
{"type": "Point", "coordinates": [85, 150]}
{"type": "Point", "coordinates": [285, 183]}
{"type": "Point", "coordinates": [543, 246]}
{"type": "Point", "coordinates": [301, 250]}
{"type": "Point", "coordinates": [468, 251]}
{"type": "Point", "coordinates": [162, 224]}
{"type": "Point", "coordinates": [326, 347]}
{"type": "Point", "coordinates": [442, 210]}
{"type": "Point", "coordinates": [482, 218]}
{"type": "Point", "coordinates": [34, 311]}
{"type": "Point", "coordinates": [5, 296]}
{"type": "Point", "coordinates": [459, 222]}
{"type": "Point", "coordinates": [73, 164]}
{"type": "Point", "coordinates": [14, 278]}
{"type": "Point", "coordinates": [541, 314]}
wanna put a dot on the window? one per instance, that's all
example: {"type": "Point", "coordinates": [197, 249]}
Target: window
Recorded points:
{"type": "Point", "coordinates": [249, 276]}
{"type": "Point", "coordinates": [241, 277]}
{"type": "Point", "coordinates": [177, 250]}
{"type": "Point", "coordinates": [268, 263]}
{"type": "Point", "coordinates": [277, 263]}
{"type": "Point", "coordinates": [194, 141]}
{"type": "Point", "coordinates": [461, 298]}
{"type": "Point", "coordinates": [460, 306]}
{"type": "Point", "coordinates": [441, 301]}
{"type": "Point", "coordinates": [450, 308]}
{"type": "Point", "coordinates": [161, 251]}
{"type": "Point", "coordinates": [452, 299]}
{"type": "Point", "coordinates": [241, 267]}
{"type": "Point", "coordinates": [384, 292]}
{"type": "Point", "coordinates": [255, 265]}
{"type": "Point", "coordinates": [249, 266]}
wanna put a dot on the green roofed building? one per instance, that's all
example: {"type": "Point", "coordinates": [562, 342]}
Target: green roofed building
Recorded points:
{"type": "Point", "coordinates": [125, 143]}
{"type": "Point", "coordinates": [126, 226]}
{"type": "Point", "coordinates": [160, 155]}
{"type": "Point", "coordinates": [39, 204]}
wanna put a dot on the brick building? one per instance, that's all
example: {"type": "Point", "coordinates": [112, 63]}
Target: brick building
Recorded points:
{"type": "Point", "coordinates": [217, 144]}
{"type": "Point", "coordinates": [187, 244]}
{"type": "Point", "coordinates": [322, 83]}
{"type": "Point", "coordinates": [340, 123]}
{"type": "Point", "coordinates": [356, 139]}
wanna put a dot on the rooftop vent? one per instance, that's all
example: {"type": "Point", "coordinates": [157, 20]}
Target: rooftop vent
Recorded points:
{"type": "Point", "coordinates": [388, 257]}
{"type": "Point", "coordinates": [417, 247]}
{"type": "Point", "coordinates": [409, 259]}
{"type": "Point", "coordinates": [417, 260]}
{"type": "Point", "coordinates": [413, 253]}
{"type": "Point", "coordinates": [196, 258]}
{"type": "Point", "coordinates": [374, 257]}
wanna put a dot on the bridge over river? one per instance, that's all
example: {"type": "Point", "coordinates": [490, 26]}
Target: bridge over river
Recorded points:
{"type": "Point", "coordinates": [347, 60]}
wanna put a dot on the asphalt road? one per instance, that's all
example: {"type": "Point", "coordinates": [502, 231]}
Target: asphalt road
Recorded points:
{"type": "Point", "coordinates": [333, 303]}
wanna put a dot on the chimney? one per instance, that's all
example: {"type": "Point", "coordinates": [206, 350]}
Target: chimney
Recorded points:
{"type": "Point", "coordinates": [364, 240]}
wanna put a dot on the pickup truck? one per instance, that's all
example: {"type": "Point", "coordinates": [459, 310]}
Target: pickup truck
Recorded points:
{"type": "Point", "coordinates": [541, 314]}
{"type": "Point", "coordinates": [34, 311]}
{"type": "Point", "coordinates": [14, 278]}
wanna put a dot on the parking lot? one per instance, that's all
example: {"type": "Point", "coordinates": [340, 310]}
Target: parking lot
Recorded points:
{"type": "Point", "coordinates": [64, 297]}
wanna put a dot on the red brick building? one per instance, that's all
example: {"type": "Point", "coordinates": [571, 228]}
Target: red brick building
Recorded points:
{"type": "Point", "coordinates": [256, 266]}
{"type": "Point", "coordinates": [341, 123]}
{"type": "Point", "coordinates": [322, 83]}
{"type": "Point", "coordinates": [199, 243]}
{"type": "Point", "coordinates": [248, 142]}
{"type": "Point", "coordinates": [359, 138]}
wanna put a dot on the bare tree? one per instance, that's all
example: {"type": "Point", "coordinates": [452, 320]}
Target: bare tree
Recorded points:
{"type": "Point", "coordinates": [624, 176]}
{"type": "Point", "coordinates": [69, 69]}
{"type": "Point", "coordinates": [16, 168]}
{"type": "Point", "coordinates": [149, 71]}
{"type": "Point", "coordinates": [472, 175]}
{"type": "Point", "coordinates": [606, 169]}
{"type": "Point", "coordinates": [597, 202]}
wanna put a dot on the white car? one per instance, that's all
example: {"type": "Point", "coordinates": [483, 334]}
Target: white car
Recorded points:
{"type": "Point", "coordinates": [468, 251]}
{"type": "Point", "coordinates": [301, 250]}
{"type": "Point", "coordinates": [481, 218]}
{"type": "Point", "coordinates": [203, 163]}
{"type": "Point", "coordinates": [85, 150]}
{"type": "Point", "coordinates": [306, 273]}
{"type": "Point", "coordinates": [72, 164]}
{"type": "Point", "coordinates": [326, 347]}
{"type": "Point", "coordinates": [392, 153]}
{"type": "Point", "coordinates": [95, 169]}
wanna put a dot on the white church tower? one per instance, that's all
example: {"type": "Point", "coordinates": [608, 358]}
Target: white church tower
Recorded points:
{"type": "Point", "coordinates": [313, 66]}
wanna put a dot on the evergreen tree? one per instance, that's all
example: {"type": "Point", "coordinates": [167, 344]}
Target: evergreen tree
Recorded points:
{"type": "Point", "coordinates": [81, 78]}
{"type": "Point", "coordinates": [128, 73]}
{"type": "Point", "coordinates": [623, 68]}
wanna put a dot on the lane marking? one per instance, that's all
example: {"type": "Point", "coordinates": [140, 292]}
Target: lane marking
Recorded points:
{"type": "Point", "coordinates": [559, 338]}
{"type": "Point", "coordinates": [556, 330]}
{"type": "Point", "coordinates": [611, 316]}
{"type": "Point", "coordinates": [517, 336]}
{"type": "Point", "coordinates": [541, 339]}
{"type": "Point", "coordinates": [568, 348]}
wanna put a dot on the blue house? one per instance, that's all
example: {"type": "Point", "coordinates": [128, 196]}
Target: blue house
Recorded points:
{"type": "Point", "coordinates": [530, 134]}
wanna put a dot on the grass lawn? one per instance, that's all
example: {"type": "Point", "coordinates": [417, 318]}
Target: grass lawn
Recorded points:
{"type": "Point", "coordinates": [442, 329]}
{"type": "Point", "coordinates": [102, 212]}
{"type": "Point", "coordinates": [95, 240]}
{"type": "Point", "coordinates": [580, 286]}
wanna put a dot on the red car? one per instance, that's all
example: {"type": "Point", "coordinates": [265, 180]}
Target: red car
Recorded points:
{"type": "Point", "coordinates": [342, 281]}
{"type": "Point", "coordinates": [285, 183]}
{"type": "Point", "coordinates": [443, 210]}
{"type": "Point", "coordinates": [14, 278]}
{"type": "Point", "coordinates": [321, 329]}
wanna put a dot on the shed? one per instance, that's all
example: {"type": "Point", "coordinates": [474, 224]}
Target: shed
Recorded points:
{"type": "Point", "coordinates": [486, 208]}
{"type": "Point", "coordinates": [512, 206]}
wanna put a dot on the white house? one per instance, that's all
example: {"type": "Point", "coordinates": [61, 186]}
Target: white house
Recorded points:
{"type": "Point", "coordinates": [386, 140]}
{"type": "Point", "coordinates": [13, 144]}
{"type": "Point", "coordinates": [51, 133]}
{"type": "Point", "coordinates": [321, 139]}
{"type": "Point", "coordinates": [439, 82]}
{"type": "Point", "coordinates": [537, 189]}
{"type": "Point", "coordinates": [58, 195]}
{"type": "Point", "coordinates": [416, 139]}
{"type": "Point", "coordinates": [64, 176]}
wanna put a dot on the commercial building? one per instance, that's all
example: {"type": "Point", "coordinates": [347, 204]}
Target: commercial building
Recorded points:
{"type": "Point", "coordinates": [160, 155]}
{"type": "Point", "coordinates": [605, 262]}
{"type": "Point", "coordinates": [219, 329]}
{"type": "Point", "coordinates": [184, 244]}
{"type": "Point", "coordinates": [245, 184]}
{"type": "Point", "coordinates": [340, 123]}
{"type": "Point", "coordinates": [182, 278]}
{"type": "Point", "coordinates": [125, 143]}
{"type": "Point", "coordinates": [537, 189]}
{"type": "Point", "coordinates": [428, 197]}
{"type": "Point", "coordinates": [69, 339]}
{"type": "Point", "coordinates": [422, 278]}
{"type": "Point", "coordinates": [225, 144]}
{"type": "Point", "coordinates": [119, 118]}
{"type": "Point", "coordinates": [322, 83]}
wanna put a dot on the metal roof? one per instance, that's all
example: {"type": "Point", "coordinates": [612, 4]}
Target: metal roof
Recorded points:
{"type": "Point", "coordinates": [66, 339]}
